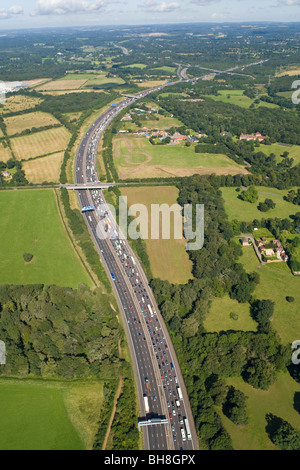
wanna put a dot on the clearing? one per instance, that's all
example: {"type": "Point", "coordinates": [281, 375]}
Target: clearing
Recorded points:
{"type": "Point", "coordinates": [245, 211]}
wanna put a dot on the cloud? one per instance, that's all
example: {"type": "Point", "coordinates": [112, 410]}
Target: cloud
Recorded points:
{"type": "Point", "coordinates": [152, 5]}
{"type": "Point", "coordinates": [203, 3]}
{"type": "Point", "coordinates": [6, 13]}
{"type": "Point", "coordinates": [290, 3]}
{"type": "Point", "coordinates": [64, 7]}
{"type": "Point", "coordinates": [287, 3]}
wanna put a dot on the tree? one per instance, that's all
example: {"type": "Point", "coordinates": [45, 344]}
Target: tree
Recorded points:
{"type": "Point", "coordinates": [262, 311]}
{"type": "Point", "coordinates": [235, 406]}
{"type": "Point", "coordinates": [250, 195]}
{"type": "Point", "coordinates": [266, 206]}
{"type": "Point", "coordinates": [27, 257]}
{"type": "Point", "coordinates": [282, 433]}
{"type": "Point", "coordinates": [260, 373]}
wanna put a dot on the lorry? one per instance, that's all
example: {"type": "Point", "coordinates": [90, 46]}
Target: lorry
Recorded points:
{"type": "Point", "coordinates": [179, 393]}
{"type": "Point", "coordinates": [150, 310]}
{"type": "Point", "coordinates": [146, 403]}
{"type": "Point", "coordinates": [187, 427]}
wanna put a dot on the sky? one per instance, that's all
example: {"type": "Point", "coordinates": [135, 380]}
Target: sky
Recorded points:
{"type": "Point", "coordinates": [50, 13]}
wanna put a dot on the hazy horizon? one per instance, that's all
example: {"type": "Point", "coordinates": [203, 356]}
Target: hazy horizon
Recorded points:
{"type": "Point", "coordinates": [32, 14]}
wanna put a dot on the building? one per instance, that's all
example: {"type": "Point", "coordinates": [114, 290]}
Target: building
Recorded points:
{"type": "Point", "coordinates": [257, 136]}
{"type": "Point", "coordinates": [273, 250]}
{"type": "Point", "coordinates": [6, 174]}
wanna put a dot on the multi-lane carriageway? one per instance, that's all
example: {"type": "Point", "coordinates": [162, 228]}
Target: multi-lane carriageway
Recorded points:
{"type": "Point", "coordinates": [157, 372]}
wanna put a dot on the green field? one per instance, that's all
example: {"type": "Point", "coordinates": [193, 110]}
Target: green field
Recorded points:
{"type": "Point", "coordinates": [168, 258]}
{"type": "Point", "coordinates": [136, 66]}
{"type": "Point", "coordinates": [246, 211]}
{"type": "Point", "coordinates": [278, 400]}
{"type": "Point", "coordinates": [277, 149]}
{"type": "Point", "coordinates": [164, 122]}
{"type": "Point", "coordinates": [137, 157]}
{"type": "Point", "coordinates": [277, 282]}
{"type": "Point", "coordinates": [41, 415]}
{"type": "Point", "coordinates": [220, 318]}
{"type": "Point", "coordinates": [30, 223]}
{"type": "Point", "coordinates": [237, 98]}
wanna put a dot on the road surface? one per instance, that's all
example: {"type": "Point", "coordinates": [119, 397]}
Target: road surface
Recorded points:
{"type": "Point", "coordinates": [157, 372]}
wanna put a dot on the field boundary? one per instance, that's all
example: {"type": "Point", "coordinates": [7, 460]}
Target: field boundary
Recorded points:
{"type": "Point", "coordinates": [70, 237]}
{"type": "Point", "coordinates": [117, 395]}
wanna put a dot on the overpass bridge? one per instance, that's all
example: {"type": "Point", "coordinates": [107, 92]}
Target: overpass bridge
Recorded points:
{"type": "Point", "coordinates": [89, 186]}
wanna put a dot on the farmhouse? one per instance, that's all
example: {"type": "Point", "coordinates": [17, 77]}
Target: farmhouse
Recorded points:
{"type": "Point", "coordinates": [272, 251]}
{"type": "Point", "coordinates": [245, 242]}
{"type": "Point", "coordinates": [256, 136]}
{"type": "Point", "coordinates": [6, 174]}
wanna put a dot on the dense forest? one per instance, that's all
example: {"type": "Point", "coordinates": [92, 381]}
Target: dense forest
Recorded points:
{"type": "Point", "coordinates": [51, 331]}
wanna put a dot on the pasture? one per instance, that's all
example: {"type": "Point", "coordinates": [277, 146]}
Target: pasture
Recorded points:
{"type": "Point", "coordinates": [279, 149]}
{"type": "Point", "coordinates": [236, 97]}
{"type": "Point", "coordinates": [40, 143]}
{"type": "Point", "coordinates": [278, 400]}
{"type": "Point", "coordinates": [17, 124]}
{"type": "Point", "coordinates": [79, 81]}
{"type": "Point", "coordinates": [30, 223]}
{"type": "Point", "coordinates": [168, 258]}
{"type": "Point", "coordinates": [44, 169]}
{"type": "Point", "coordinates": [136, 157]}
{"type": "Point", "coordinates": [229, 314]}
{"type": "Point", "coordinates": [245, 211]}
{"type": "Point", "coordinates": [59, 85]}
{"type": "Point", "coordinates": [277, 282]}
{"type": "Point", "coordinates": [5, 153]}
{"type": "Point", "coordinates": [16, 103]}
{"type": "Point", "coordinates": [41, 415]}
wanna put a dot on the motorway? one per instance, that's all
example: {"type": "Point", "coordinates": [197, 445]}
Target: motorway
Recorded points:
{"type": "Point", "coordinates": [160, 386]}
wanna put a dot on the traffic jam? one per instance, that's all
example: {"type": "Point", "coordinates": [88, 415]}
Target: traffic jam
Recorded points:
{"type": "Point", "coordinates": [166, 368]}
{"type": "Point", "coordinates": [160, 348]}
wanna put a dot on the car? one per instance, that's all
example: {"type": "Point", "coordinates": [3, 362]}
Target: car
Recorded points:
{"type": "Point", "coordinates": [170, 392]}
{"type": "Point", "coordinates": [169, 372]}
{"type": "Point", "coordinates": [172, 427]}
{"type": "Point", "coordinates": [174, 437]}
{"type": "Point", "coordinates": [174, 412]}
{"type": "Point", "coordinates": [168, 403]}
{"type": "Point", "coordinates": [170, 415]}
{"type": "Point", "coordinates": [166, 346]}
{"type": "Point", "coordinates": [154, 398]}
{"type": "Point", "coordinates": [166, 375]}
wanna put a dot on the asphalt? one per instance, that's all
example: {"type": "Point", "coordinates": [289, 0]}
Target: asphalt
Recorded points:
{"type": "Point", "coordinates": [155, 364]}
